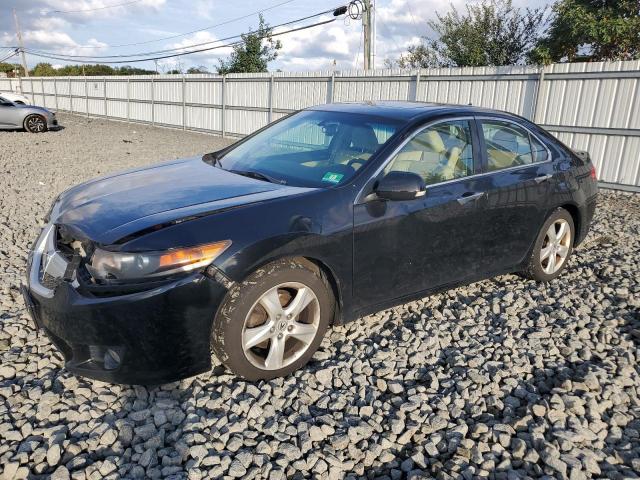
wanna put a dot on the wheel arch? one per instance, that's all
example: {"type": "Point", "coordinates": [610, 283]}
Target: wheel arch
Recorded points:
{"type": "Point", "coordinates": [332, 280]}
{"type": "Point", "coordinates": [318, 265]}
{"type": "Point", "coordinates": [575, 216]}
{"type": "Point", "coordinates": [24, 121]}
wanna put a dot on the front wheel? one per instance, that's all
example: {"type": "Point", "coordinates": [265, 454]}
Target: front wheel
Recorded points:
{"type": "Point", "coordinates": [272, 323]}
{"type": "Point", "coordinates": [35, 124]}
{"type": "Point", "coordinates": [553, 247]}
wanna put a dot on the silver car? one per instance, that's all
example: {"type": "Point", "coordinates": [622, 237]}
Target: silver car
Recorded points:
{"type": "Point", "coordinates": [31, 118]}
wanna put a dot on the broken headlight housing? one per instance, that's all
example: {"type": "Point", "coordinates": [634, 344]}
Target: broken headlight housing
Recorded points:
{"type": "Point", "coordinates": [106, 265]}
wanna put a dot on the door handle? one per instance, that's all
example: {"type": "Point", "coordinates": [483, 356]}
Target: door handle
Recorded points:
{"type": "Point", "coordinates": [469, 197]}
{"type": "Point", "coordinates": [543, 178]}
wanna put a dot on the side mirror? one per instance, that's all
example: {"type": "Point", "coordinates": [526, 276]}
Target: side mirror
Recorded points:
{"type": "Point", "coordinates": [400, 186]}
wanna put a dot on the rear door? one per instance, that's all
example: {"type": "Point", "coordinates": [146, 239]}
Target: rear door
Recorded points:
{"type": "Point", "coordinates": [405, 247]}
{"type": "Point", "coordinates": [517, 180]}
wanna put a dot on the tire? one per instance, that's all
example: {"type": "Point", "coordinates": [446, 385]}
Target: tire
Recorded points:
{"type": "Point", "coordinates": [35, 124]}
{"type": "Point", "coordinates": [250, 330]}
{"type": "Point", "coordinates": [550, 257]}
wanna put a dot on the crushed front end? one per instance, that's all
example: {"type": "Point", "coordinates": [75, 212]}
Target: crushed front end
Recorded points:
{"type": "Point", "coordinates": [147, 331]}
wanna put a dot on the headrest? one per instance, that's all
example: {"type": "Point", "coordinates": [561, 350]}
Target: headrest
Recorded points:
{"type": "Point", "coordinates": [364, 138]}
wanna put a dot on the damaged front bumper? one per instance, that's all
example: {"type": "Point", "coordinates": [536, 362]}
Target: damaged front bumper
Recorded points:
{"type": "Point", "coordinates": [150, 336]}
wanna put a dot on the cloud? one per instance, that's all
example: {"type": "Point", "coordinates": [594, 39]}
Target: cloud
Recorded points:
{"type": "Point", "coordinates": [399, 24]}
{"type": "Point", "coordinates": [196, 41]}
{"type": "Point", "coordinates": [88, 9]}
{"type": "Point", "coordinates": [44, 29]}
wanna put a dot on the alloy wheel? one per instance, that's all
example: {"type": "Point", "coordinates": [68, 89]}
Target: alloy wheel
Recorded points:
{"type": "Point", "coordinates": [35, 124]}
{"type": "Point", "coordinates": [555, 247]}
{"type": "Point", "coordinates": [281, 326]}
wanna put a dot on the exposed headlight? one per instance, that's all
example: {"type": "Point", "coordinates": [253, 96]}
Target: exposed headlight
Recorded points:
{"type": "Point", "coordinates": [105, 265]}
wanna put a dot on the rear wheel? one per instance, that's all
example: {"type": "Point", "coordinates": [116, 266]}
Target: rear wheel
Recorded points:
{"type": "Point", "coordinates": [272, 323]}
{"type": "Point", "coordinates": [553, 247]}
{"type": "Point", "coordinates": [35, 124]}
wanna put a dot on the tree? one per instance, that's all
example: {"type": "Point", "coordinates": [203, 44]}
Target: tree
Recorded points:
{"type": "Point", "coordinates": [419, 56]}
{"type": "Point", "coordinates": [253, 53]}
{"type": "Point", "coordinates": [47, 70]}
{"type": "Point", "coordinates": [492, 33]}
{"type": "Point", "coordinates": [593, 30]}
{"type": "Point", "coordinates": [43, 70]}
{"type": "Point", "coordinates": [9, 69]}
{"type": "Point", "coordinates": [198, 69]}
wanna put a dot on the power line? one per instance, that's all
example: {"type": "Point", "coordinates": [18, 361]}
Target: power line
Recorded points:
{"type": "Point", "coordinates": [226, 22]}
{"type": "Point", "coordinates": [124, 4]}
{"type": "Point", "coordinates": [53, 57]}
{"type": "Point", "coordinates": [157, 52]}
{"type": "Point", "coordinates": [12, 54]}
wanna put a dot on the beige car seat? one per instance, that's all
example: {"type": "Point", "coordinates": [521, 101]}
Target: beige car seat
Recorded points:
{"type": "Point", "coordinates": [497, 158]}
{"type": "Point", "coordinates": [427, 157]}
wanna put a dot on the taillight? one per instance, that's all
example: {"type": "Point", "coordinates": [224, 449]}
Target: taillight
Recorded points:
{"type": "Point", "coordinates": [593, 173]}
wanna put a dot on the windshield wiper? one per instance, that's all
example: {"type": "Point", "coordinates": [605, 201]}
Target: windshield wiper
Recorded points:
{"type": "Point", "coordinates": [259, 176]}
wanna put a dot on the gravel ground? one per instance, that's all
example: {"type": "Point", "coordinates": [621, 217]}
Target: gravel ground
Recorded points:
{"type": "Point", "coordinates": [505, 378]}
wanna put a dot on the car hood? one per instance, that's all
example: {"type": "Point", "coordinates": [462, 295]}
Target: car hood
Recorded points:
{"type": "Point", "coordinates": [110, 208]}
{"type": "Point", "coordinates": [34, 108]}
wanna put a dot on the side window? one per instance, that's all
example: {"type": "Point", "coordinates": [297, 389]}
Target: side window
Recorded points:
{"type": "Point", "coordinates": [509, 145]}
{"type": "Point", "coordinates": [439, 153]}
{"type": "Point", "coordinates": [540, 153]}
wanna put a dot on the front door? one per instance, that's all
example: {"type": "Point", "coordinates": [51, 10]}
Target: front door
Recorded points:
{"type": "Point", "coordinates": [8, 114]}
{"type": "Point", "coordinates": [405, 247]}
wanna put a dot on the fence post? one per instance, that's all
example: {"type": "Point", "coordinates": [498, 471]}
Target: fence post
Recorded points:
{"type": "Point", "coordinates": [224, 100]}
{"type": "Point", "coordinates": [55, 92]}
{"type": "Point", "coordinates": [104, 90]}
{"type": "Point", "coordinates": [86, 95]}
{"type": "Point", "coordinates": [128, 99]}
{"type": "Point", "coordinates": [70, 96]}
{"type": "Point", "coordinates": [33, 96]}
{"type": "Point", "coordinates": [536, 105]}
{"type": "Point", "coordinates": [44, 97]}
{"type": "Point", "coordinates": [184, 103]}
{"type": "Point", "coordinates": [417, 85]}
{"type": "Point", "coordinates": [153, 105]}
{"type": "Point", "coordinates": [332, 86]}
{"type": "Point", "coordinates": [271, 98]}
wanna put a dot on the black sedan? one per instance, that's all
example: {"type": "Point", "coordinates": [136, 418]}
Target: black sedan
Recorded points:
{"type": "Point", "coordinates": [329, 214]}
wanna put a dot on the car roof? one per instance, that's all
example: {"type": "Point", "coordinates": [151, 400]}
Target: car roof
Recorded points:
{"type": "Point", "coordinates": [405, 110]}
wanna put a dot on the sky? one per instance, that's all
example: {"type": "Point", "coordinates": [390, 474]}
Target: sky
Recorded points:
{"type": "Point", "coordinates": [85, 27]}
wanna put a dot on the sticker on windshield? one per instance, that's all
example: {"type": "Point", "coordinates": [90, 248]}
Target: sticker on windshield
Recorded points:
{"type": "Point", "coordinates": [332, 177]}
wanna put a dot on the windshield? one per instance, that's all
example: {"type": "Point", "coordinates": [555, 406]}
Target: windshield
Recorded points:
{"type": "Point", "coordinates": [311, 148]}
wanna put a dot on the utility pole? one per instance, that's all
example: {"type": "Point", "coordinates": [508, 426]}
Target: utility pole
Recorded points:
{"type": "Point", "coordinates": [19, 34]}
{"type": "Point", "coordinates": [366, 28]}
{"type": "Point", "coordinates": [374, 32]}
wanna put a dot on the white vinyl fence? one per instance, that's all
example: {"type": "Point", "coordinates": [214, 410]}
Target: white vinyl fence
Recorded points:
{"type": "Point", "coordinates": [589, 106]}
